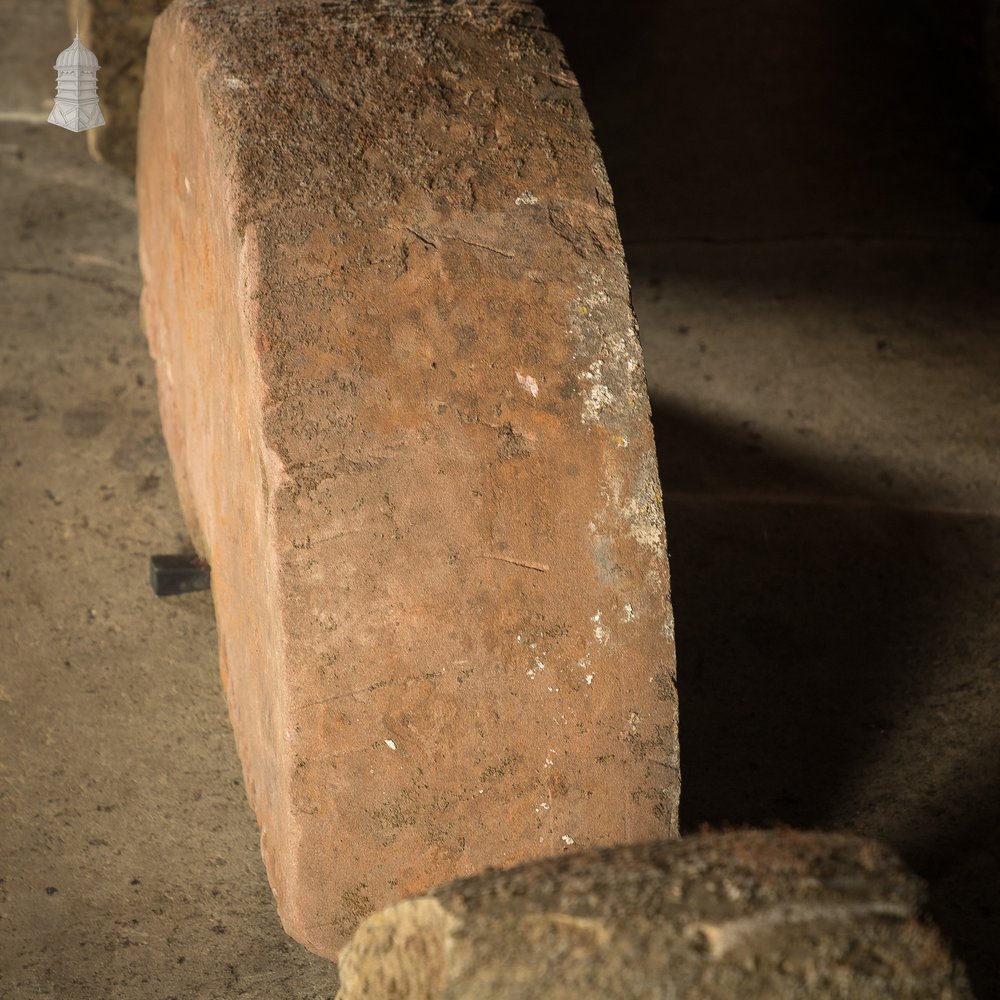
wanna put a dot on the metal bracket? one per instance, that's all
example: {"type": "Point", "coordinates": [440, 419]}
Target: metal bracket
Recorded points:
{"type": "Point", "coordinates": [170, 575]}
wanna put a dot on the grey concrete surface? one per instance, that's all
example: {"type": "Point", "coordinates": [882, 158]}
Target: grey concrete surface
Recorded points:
{"type": "Point", "coordinates": [129, 858]}
{"type": "Point", "coordinates": [819, 310]}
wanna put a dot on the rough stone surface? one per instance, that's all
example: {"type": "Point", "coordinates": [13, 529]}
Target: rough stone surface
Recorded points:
{"type": "Point", "coordinates": [749, 914]}
{"type": "Point", "coordinates": [117, 31]}
{"type": "Point", "coordinates": [404, 397]}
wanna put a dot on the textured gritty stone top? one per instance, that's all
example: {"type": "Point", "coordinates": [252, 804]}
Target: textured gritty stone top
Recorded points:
{"type": "Point", "coordinates": [299, 142]}
{"type": "Point", "coordinates": [754, 914]}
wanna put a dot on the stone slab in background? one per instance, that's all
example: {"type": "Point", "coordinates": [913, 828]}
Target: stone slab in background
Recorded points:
{"type": "Point", "coordinates": [756, 915]}
{"type": "Point", "coordinates": [403, 394]}
{"type": "Point", "coordinates": [117, 31]}
{"type": "Point", "coordinates": [31, 36]}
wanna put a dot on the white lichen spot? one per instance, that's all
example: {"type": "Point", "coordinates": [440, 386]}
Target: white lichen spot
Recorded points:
{"type": "Point", "coordinates": [542, 805]}
{"type": "Point", "coordinates": [598, 297]}
{"type": "Point", "coordinates": [556, 690]}
{"type": "Point", "coordinates": [526, 198]}
{"type": "Point", "coordinates": [567, 839]}
{"type": "Point", "coordinates": [629, 613]}
{"type": "Point", "coordinates": [601, 634]}
{"type": "Point", "coordinates": [235, 83]}
{"type": "Point", "coordinates": [668, 629]}
{"type": "Point", "coordinates": [598, 397]}
{"type": "Point", "coordinates": [643, 510]}
{"type": "Point", "coordinates": [480, 791]}
{"type": "Point", "coordinates": [390, 744]}
{"type": "Point", "coordinates": [590, 678]}
{"type": "Point", "coordinates": [531, 671]}
{"type": "Point", "coordinates": [518, 638]}
{"type": "Point", "coordinates": [527, 383]}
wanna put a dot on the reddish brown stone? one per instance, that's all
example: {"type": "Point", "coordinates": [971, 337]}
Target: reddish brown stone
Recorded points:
{"type": "Point", "coordinates": [404, 397]}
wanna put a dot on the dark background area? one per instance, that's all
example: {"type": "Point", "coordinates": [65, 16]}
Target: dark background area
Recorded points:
{"type": "Point", "coordinates": [804, 192]}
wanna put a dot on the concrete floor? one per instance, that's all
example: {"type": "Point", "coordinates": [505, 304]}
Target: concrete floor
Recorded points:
{"type": "Point", "coordinates": [819, 309]}
{"type": "Point", "coordinates": [129, 865]}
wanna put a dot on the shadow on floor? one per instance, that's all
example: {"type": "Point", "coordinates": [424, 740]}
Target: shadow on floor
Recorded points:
{"type": "Point", "coordinates": [829, 670]}
{"type": "Point", "coordinates": [837, 653]}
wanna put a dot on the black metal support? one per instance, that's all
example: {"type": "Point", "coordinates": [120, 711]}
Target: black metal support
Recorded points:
{"type": "Point", "coordinates": [169, 575]}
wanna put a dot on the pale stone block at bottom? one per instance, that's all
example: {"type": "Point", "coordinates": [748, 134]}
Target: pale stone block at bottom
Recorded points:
{"type": "Point", "coordinates": [404, 397]}
{"type": "Point", "coordinates": [754, 915]}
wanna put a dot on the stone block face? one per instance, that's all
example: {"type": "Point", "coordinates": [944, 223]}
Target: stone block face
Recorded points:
{"type": "Point", "coordinates": [404, 397]}
{"type": "Point", "coordinates": [756, 915]}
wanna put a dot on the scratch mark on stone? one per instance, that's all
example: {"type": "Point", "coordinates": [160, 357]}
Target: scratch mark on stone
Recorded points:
{"type": "Point", "coordinates": [460, 239]}
{"type": "Point", "coordinates": [564, 81]}
{"type": "Point", "coordinates": [422, 238]}
{"type": "Point", "coordinates": [725, 935]}
{"type": "Point", "coordinates": [538, 567]}
{"type": "Point", "coordinates": [402, 682]}
{"type": "Point", "coordinates": [317, 86]}
{"type": "Point", "coordinates": [481, 246]}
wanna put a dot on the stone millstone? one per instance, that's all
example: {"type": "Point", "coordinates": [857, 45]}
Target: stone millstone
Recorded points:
{"type": "Point", "coordinates": [754, 915]}
{"type": "Point", "coordinates": [404, 397]}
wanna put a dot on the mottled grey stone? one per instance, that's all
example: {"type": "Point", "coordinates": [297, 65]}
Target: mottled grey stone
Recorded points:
{"type": "Point", "coordinates": [750, 914]}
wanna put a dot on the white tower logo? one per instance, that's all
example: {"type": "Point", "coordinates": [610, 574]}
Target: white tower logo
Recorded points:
{"type": "Point", "coordinates": [76, 106]}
